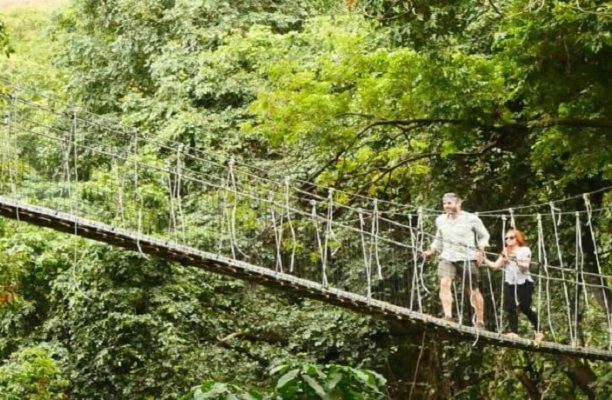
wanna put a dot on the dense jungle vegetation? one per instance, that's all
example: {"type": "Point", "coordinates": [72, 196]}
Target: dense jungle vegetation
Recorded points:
{"type": "Point", "coordinates": [504, 101]}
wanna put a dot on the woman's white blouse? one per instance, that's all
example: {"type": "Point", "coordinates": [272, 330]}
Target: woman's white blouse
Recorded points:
{"type": "Point", "coordinates": [512, 273]}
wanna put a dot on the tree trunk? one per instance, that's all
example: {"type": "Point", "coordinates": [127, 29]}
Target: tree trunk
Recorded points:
{"type": "Point", "coordinates": [580, 373]}
{"type": "Point", "coordinates": [438, 380]}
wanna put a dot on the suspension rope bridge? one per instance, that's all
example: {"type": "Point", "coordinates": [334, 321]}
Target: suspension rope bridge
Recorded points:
{"type": "Point", "coordinates": [71, 171]}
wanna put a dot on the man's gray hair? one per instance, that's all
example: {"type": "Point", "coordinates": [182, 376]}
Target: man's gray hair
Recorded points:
{"type": "Point", "coordinates": [451, 196]}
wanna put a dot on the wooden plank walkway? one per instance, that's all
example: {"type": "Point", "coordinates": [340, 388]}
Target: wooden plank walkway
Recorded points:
{"type": "Point", "coordinates": [171, 251]}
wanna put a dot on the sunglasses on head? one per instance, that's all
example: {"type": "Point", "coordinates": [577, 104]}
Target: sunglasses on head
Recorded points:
{"type": "Point", "coordinates": [509, 237]}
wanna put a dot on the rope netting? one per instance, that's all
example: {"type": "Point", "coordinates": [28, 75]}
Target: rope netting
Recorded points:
{"type": "Point", "coordinates": [73, 161]}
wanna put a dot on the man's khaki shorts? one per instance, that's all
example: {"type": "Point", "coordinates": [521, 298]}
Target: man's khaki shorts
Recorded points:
{"type": "Point", "coordinates": [463, 269]}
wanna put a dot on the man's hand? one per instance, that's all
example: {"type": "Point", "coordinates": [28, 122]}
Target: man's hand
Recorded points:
{"type": "Point", "coordinates": [480, 256]}
{"type": "Point", "coordinates": [427, 253]}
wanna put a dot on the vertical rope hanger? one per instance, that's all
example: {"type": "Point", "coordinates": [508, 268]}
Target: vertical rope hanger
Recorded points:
{"type": "Point", "coordinates": [461, 302]}
{"type": "Point", "coordinates": [415, 288]}
{"type": "Point", "coordinates": [231, 180]}
{"type": "Point", "coordinates": [322, 250]}
{"type": "Point", "coordinates": [543, 260]}
{"type": "Point", "coordinates": [13, 169]}
{"type": "Point", "coordinates": [4, 155]}
{"type": "Point", "coordinates": [556, 222]}
{"type": "Point", "coordinates": [329, 233]}
{"type": "Point", "coordinates": [170, 186]}
{"type": "Point", "coordinates": [5, 163]}
{"type": "Point", "coordinates": [456, 302]}
{"type": "Point", "coordinates": [539, 301]}
{"type": "Point", "coordinates": [579, 273]}
{"type": "Point", "coordinates": [75, 142]}
{"type": "Point", "coordinates": [503, 277]}
{"type": "Point", "coordinates": [120, 210]}
{"type": "Point", "coordinates": [366, 256]}
{"type": "Point", "coordinates": [420, 238]}
{"type": "Point", "coordinates": [513, 226]}
{"type": "Point", "coordinates": [178, 191]}
{"type": "Point", "coordinates": [224, 220]}
{"type": "Point", "coordinates": [67, 142]}
{"type": "Point", "coordinates": [589, 210]}
{"type": "Point", "coordinates": [498, 317]}
{"type": "Point", "coordinates": [231, 212]}
{"type": "Point", "coordinates": [74, 198]}
{"type": "Point", "coordinates": [291, 229]}
{"type": "Point", "coordinates": [278, 233]}
{"type": "Point", "coordinates": [503, 291]}
{"type": "Point", "coordinates": [512, 221]}
{"type": "Point", "coordinates": [374, 238]}
{"type": "Point", "coordinates": [468, 266]}
{"type": "Point", "coordinates": [139, 198]}
{"type": "Point", "coordinates": [414, 280]}
{"type": "Point", "coordinates": [580, 258]}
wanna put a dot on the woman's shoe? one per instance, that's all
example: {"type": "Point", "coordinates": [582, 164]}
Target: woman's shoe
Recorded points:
{"type": "Point", "coordinates": [538, 337]}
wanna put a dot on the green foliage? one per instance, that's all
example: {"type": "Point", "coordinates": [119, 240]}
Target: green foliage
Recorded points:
{"type": "Point", "coordinates": [31, 50]}
{"type": "Point", "coordinates": [5, 45]}
{"type": "Point", "coordinates": [32, 373]}
{"type": "Point", "coordinates": [133, 317]}
{"type": "Point", "coordinates": [334, 95]}
{"type": "Point", "coordinates": [309, 381]}
{"type": "Point", "coordinates": [603, 383]}
{"type": "Point", "coordinates": [302, 381]}
{"type": "Point", "coordinates": [211, 390]}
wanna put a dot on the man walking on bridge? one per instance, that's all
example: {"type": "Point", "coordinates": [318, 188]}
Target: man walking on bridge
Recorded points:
{"type": "Point", "coordinates": [461, 238]}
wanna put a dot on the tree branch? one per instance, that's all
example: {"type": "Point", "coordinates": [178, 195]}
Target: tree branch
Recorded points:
{"type": "Point", "coordinates": [387, 171]}
{"type": "Point", "coordinates": [580, 373]}
{"type": "Point", "coordinates": [543, 122]}
{"type": "Point", "coordinates": [495, 8]}
{"type": "Point", "coordinates": [409, 124]}
{"type": "Point", "coordinates": [576, 122]}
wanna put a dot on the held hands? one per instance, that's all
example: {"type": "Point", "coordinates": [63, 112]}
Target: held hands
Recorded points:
{"type": "Point", "coordinates": [480, 258]}
{"type": "Point", "coordinates": [497, 264]}
{"type": "Point", "coordinates": [427, 253]}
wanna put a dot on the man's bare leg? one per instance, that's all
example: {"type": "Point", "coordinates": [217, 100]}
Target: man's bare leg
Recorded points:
{"type": "Point", "coordinates": [478, 304]}
{"type": "Point", "coordinates": [446, 297]}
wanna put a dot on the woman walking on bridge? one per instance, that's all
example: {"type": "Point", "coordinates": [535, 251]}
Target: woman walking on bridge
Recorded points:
{"type": "Point", "coordinates": [515, 260]}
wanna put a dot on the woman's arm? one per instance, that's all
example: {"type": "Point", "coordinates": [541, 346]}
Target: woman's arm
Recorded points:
{"type": "Point", "coordinates": [497, 264]}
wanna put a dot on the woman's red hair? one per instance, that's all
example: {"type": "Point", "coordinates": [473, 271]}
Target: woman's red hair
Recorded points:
{"type": "Point", "coordinates": [520, 237]}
